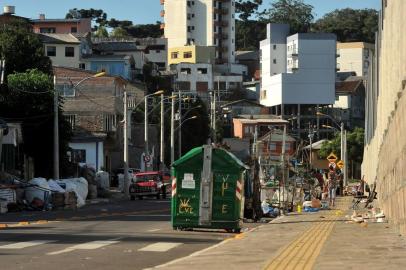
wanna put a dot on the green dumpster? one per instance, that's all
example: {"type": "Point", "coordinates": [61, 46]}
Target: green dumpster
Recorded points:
{"type": "Point", "coordinates": [207, 190]}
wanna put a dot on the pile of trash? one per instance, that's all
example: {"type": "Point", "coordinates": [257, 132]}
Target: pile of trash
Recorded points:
{"type": "Point", "coordinates": [372, 216]}
{"type": "Point", "coordinates": [315, 205]}
{"type": "Point", "coordinates": [44, 195]}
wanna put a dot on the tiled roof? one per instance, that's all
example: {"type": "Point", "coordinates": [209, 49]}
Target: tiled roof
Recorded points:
{"type": "Point", "coordinates": [116, 46]}
{"type": "Point", "coordinates": [55, 20]}
{"type": "Point", "coordinates": [348, 86]}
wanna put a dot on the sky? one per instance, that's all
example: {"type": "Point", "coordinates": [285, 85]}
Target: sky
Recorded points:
{"type": "Point", "coordinates": [147, 11]}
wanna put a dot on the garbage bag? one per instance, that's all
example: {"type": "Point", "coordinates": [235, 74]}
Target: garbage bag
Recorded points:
{"type": "Point", "coordinates": [77, 185]}
{"type": "Point", "coordinates": [55, 187]}
{"type": "Point", "coordinates": [40, 189]}
{"type": "Point", "coordinates": [102, 179]}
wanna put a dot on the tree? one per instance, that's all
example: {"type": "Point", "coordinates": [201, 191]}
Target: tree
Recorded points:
{"type": "Point", "coordinates": [27, 95]}
{"type": "Point", "coordinates": [245, 8]}
{"type": "Point", "coordinates": [97, 15]}
{"type": "Point", "coordinates": [350, 24]}
{"type": "Point", "coordinates": [145, 30]}
{"type": "Point", "coordinates": [355, 145]}
{"type": "Point", "coordinates": [119, 32]}
{"type": "Point", "coordinates": [101, 32]}
{"type": "Point", "coordinates": [249, 33]}
{"type": "Point", "coordinates": [296, 13]}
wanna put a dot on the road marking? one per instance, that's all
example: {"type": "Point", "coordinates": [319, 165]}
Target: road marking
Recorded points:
{"type": "Point", "coordinates": [160, 247]}
{"type": "Point", "coordinates": [154, 230]}
{"type": "Point", "coordinates": [22, 245]}
{"type": "Point", "coordinates": [86, 246]}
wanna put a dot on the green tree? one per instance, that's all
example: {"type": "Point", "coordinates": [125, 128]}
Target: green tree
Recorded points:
{"type": "Point", "coordinates": [27, 95]}
{"type": "Point", "coordinates": [246, 8]}
{"type": "Point", "coordinates": [296, 13]}
{"type": "Point", "coordinates": [101, 32]}
{"type": "Point", "coordinates": [145, 30]}
{"type": "Point", "coordinates": [350, 24]}
{"type": "Point", "coordinates": [249, 33]}
{"type": "Point", "coordinates": [97, 15]}
{"type": "Point", "coordinates": [355, 145]}
{"type": "Point", "coordinates": [119, 32]}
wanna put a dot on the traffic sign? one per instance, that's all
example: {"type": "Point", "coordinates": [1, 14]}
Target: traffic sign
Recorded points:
{"type": "Point", "coordinates": [332, 157]}
{"type": "Point", "coordinates": [332, 165]}
{"type": "Point", "coordinates": [340, 164]}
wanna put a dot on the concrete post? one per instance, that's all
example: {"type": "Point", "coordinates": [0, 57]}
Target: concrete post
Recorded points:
{"type": "Point", "coordinates": [56, 132]}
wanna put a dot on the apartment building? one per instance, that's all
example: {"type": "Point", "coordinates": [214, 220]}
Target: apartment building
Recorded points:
{"type": "Point", "coordinates": [191, 54]}
{"type": "Point", "coordinates": [385, 144]}
{"type": "Point", "coordinates": [354, 57]}
{"type": "Point", "coordinates": [298, 75]}
{"type": "Point", "coordinates": [61, 26]}
{"type": "Point", "coordinates": [203, 23]}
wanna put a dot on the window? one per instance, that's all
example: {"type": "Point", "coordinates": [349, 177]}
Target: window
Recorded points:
{"type": "Point", "coordinates": [187, 55]}
{"type": "Point", "coordinates": [51, 51]}
{"type": "Point", "coordinates": [82, 65]}
{"type": "Point", "coordinates": [78, 156]}
{"type": "Point", "coordinates": [185, 71]}
{"type": "Point", "coordinates": [274, 61]}
{"type": "Point", "coordinates": [71, 118]}
{"type": "Point", "coordinates": [274, 47]}
{"type": "Point", "coordinates": [157, 51]}
{"type": "Point", "coordinates": [287, 147]}
{"type": "Point", "coordinates": [73, 29]}
{"type": "Point", "coordinates": [69, 52]}
{"type": "Point", "coordinates": [47, 30]}
{"type": "Point", "coordinates": [66, 90]}
{"type": "Point", "coordinates": [109, 122]}
{"type": "Point", "coordinates": [174, 55]}
{"type": "Point", "coordinates": [272, 146]}
{"type": "Point", "coordinates": [202, 70]}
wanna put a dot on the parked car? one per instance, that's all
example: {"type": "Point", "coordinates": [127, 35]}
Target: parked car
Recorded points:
{"type": "Point", "coordinates": [149, 184]}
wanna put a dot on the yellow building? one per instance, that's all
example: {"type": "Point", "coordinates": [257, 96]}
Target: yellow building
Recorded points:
{"type": "Point", "coordinates": [191, 54]}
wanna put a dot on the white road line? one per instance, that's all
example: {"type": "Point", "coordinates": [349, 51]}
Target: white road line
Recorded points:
{"type": "Point", "coordinates": [26, 244]}
{"type": "Point", "coordinates": [85, 246]}
{"type": "Point", "coordinates": [160, 247]}
{"type": "Point", "coordinates": [154, 230]}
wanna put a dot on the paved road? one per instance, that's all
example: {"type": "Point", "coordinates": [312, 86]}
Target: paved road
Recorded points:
{"type": "Point", "coordinates": [121, 235]}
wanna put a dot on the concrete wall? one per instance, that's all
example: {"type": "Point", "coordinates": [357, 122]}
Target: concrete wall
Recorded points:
{"type": "Point", "coordinates": [84, 26]}
{"type": "Point", "coordinates": [385, 151]}
{"type": "Point", "coordinates": [354, 56]}
{"type": "Point", "coordinates": [176, 22]}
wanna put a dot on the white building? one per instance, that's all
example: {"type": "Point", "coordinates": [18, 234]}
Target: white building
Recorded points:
{"type": "Point", "coordinates": [354, 56]}
{"type": "Point", "coordinates": [310, 60]}
{"type": "Point", "coordinates": [200, 78]}
{"type": "Point", "coordinates": [201, 22]}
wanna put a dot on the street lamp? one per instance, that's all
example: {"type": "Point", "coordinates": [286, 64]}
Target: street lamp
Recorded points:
{"type": "Point", "coordinates": [187, 119]}
{"type": "Point", "coordinates": [179, 127]}
{"type": "Point", "coordinates": [343, 135]}
{"type": "Point", "coordinates": [56, 120]}
{"type": "Point", "coordinates": [157, 93]}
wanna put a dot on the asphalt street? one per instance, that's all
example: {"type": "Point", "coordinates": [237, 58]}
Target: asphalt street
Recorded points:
{"type": "Point", "coordinates": [121, 235]}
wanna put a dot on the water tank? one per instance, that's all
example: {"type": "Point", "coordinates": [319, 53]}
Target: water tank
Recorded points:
{"type": "Point", "coordinates": [9, 9]}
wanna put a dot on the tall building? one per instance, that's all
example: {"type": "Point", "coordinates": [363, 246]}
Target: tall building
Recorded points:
{"type": "Point", "coordinates": [354, 56]}
{"type": "Point", "coordinates": [202, 23]}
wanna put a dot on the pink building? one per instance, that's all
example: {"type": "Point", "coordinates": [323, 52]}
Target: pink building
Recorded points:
{"type": "Point", "coordinates": [245, 128]}
{"type": "Point", "coordinates": [61, 26]}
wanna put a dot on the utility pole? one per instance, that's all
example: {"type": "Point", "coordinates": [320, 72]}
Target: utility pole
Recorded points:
{"type": "Point", "coordinates": [162, 134]}
{"type": "Point", "coordinates": [56, 132]}
{"type": "Point", "coordinates": [126, 178]}
{"type": "Point", "coordinates": [345, 180]}
{"type": "Point", "coordinates": [283, 161]}
{"type": "Point", "coordinates": [146, 133]}
{"type": "Point", "coordinates": [172, 131]}
{"type": "Point", "coordinates": [180, 128]}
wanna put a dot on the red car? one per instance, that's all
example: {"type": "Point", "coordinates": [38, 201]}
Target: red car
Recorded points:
{"type": "Point", "coordinates": [149, 184]}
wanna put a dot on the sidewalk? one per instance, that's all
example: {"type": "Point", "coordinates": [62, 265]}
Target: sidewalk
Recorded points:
{"type": "Point", "coordinates": [322, 240]}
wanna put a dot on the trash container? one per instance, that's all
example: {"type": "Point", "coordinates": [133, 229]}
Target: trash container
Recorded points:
{"type": "Point", "coordinates": [207, 190]}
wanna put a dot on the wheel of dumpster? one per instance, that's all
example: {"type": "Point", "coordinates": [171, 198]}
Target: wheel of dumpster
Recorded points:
{"type": "Point", "coordinates": [158, 196]}
{"type": "Point", "coordinates": [140, 197]}
{"type": "Point", "coordinates": [132, 197]}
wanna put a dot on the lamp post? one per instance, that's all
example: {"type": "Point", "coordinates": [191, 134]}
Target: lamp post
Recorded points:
{"type": "Point", "coordinates": [56, 121]}
{"type": "Point", "coordinates": [180, 129]}
{"type": "Point", "coordinates": [187, 119]}
{"type": "Point", "coordinates": [146, 124]}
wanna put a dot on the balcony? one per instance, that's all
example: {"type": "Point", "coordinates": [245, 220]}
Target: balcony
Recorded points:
{"type": "Point", "coordinates": [162, 2]}
{"type": "Point", "coordinates": [338, 67]}
{"type": "Point", "coordinates": [162, 13]}
{"type": "Point", "coordinates": [162, 26]}
{"type": "Point", "coordinates": [221, 23]}
{"type": "Point", "coordinates": [220, 11]}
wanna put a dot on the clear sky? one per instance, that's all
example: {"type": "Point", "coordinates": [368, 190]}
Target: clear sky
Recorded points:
{"type": "Point", "coordinates": [147, 11]}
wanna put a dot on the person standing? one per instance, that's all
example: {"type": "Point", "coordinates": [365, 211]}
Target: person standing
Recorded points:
{"type": "Point", "coordinates": [332, 187]}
